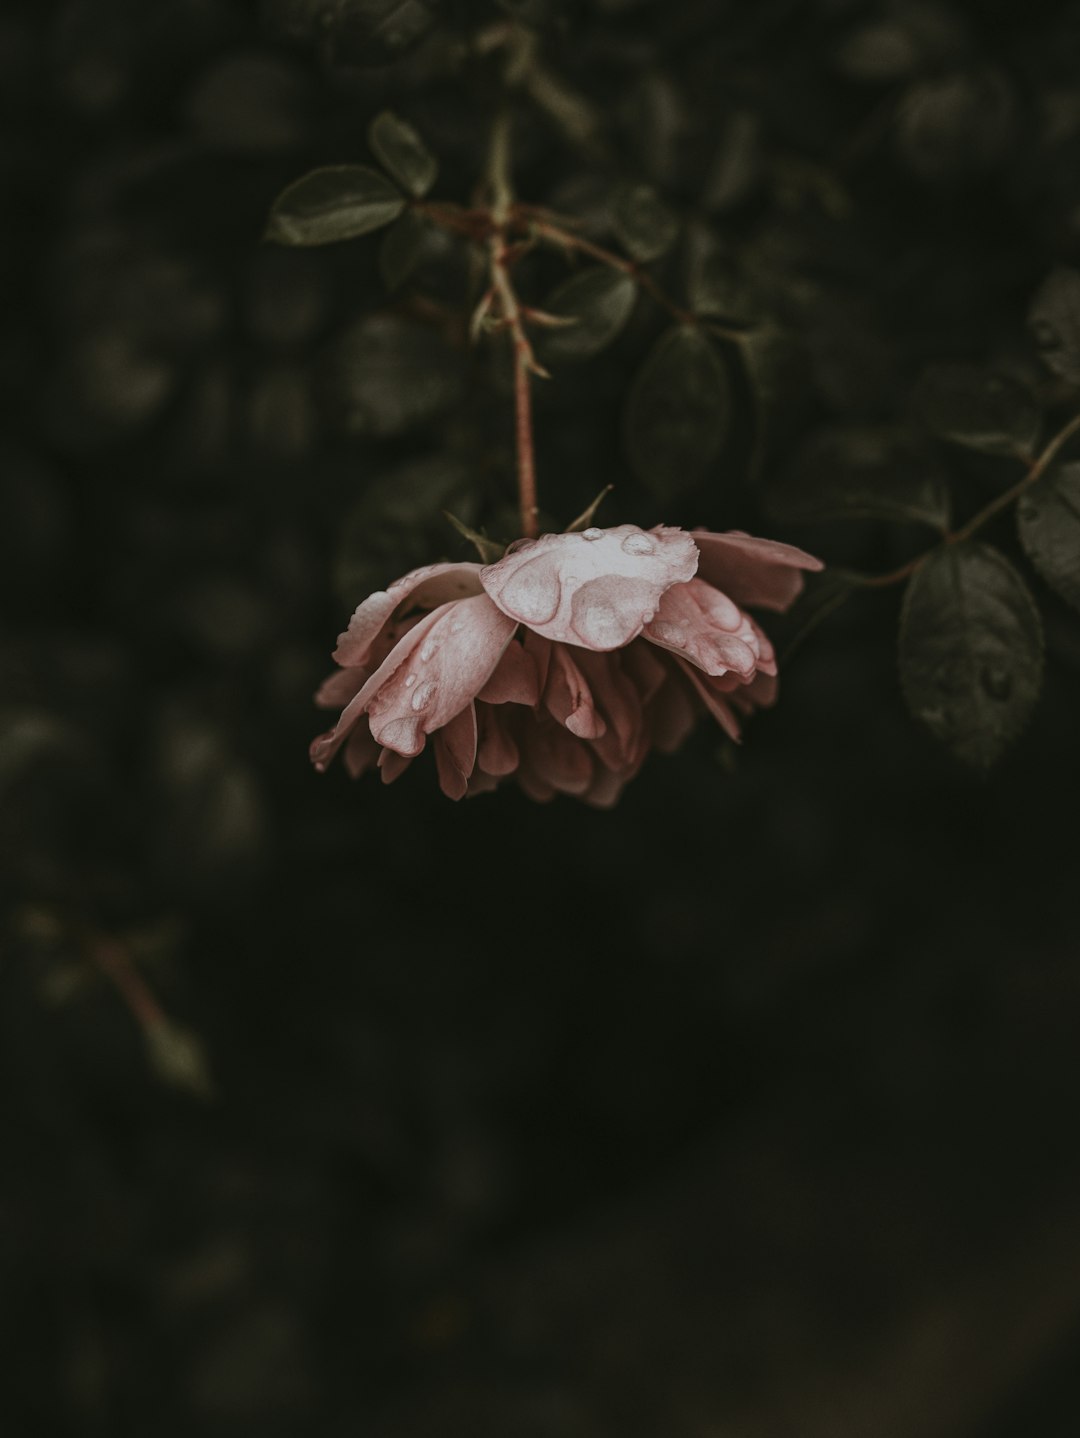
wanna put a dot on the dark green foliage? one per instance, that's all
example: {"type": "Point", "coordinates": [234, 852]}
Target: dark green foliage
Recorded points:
{"type": "Point", "coordinates": [398, 147]}
{"type": "Point", "coordinates": [338, 202]}
{"type": "Point", "coordinates": [971, 651]}
{"type": "Point", "coordinates": [873, 473]}
{"type": "Point", "coordinates": [1048, 515]}
{"type": "Point", "coordinates": [387, 376]}
{"type": "Point", "coordinates": [599, 302]}
{"type": "Point", "coordinates": [401, 248]}
{"type": "Point", "coordinates": [1054, 319]}
{"type": "Point", "coordinates": [677, 412]}
{"type": "Point", "coordinates": [994, 413]}
{"type": "Point", "coordinates": [643, 222]}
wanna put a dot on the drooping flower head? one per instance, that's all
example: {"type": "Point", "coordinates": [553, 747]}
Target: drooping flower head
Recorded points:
{"type": "Point", "coordinates": [564, 663]}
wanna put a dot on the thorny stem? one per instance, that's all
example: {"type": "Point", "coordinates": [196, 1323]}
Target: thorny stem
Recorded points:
{"type": "Point", "coordinates": [503, 301]}
{"type": "Point", "coordinates": [1035, 471]}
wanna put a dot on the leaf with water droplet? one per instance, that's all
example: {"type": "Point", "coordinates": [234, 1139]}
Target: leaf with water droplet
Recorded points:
{"type": "Point", "coordinates": [1048, 518]}
{"type": "Point", "coordinates": [337, 202]}
{"type": "Point", "coordinates": [677, 412]}
{"type": "Point", "coordinates": [971, 651]}
{"type": "Point", "coordinates": [398, 146]}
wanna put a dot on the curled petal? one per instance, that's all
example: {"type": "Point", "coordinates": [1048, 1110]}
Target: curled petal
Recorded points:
{"type": "Point", "coordinates": [426, 588]}
{"type": "Point", "coordinates": [759, 572]}
{"type": "Point", "coordinates": [596, 589]}
{"type": "Point", "coordinates": [568, 699]}
{"type": "Point", "coordinates": [455, 753]}
{"type": "Point", "coordinates": [442, 672]}
{"type": "Point", "coordinates": [702, 625]}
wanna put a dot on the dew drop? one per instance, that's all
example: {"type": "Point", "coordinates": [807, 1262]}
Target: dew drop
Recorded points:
{"type": "Point", "coordinates": [592, 533]}
{"type": "Point", "coordinates": [423, 696]}
{"type": "Point", "coordinates": [637, 544]}
{"type": "Point", "coordinates": [428, 648]}
{"type": "Point", "coordinates": [532, 594]}
{"type": "Point", "coordinates": [410, 680]}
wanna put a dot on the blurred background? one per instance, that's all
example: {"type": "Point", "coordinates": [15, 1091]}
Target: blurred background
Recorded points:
{"type": "Point", "coordinates": [746, 1110]}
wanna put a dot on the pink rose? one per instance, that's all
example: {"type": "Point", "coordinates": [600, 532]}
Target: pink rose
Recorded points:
{"type": "Point", "coordinates": [563, 664]}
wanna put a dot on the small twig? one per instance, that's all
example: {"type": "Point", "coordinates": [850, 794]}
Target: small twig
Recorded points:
{"type": "Point", "coordinates": [1035, 472]}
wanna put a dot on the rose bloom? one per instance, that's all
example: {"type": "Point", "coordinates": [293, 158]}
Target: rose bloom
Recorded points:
{"type": "Point", "coordinates": [562, 665]}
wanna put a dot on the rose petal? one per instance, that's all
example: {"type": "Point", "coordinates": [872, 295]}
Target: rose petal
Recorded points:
{"type": "Point", "coordinates": [595, 589]}
{"type": "Point", "coordinates": [361, 752]}
{"type": "Point", "coordinates": [392, 766]}
{"type": "Point", "coordinates": [671, 716]}
{"type": "Point", "coordinates": [515, 680]}
{"type": "Point", "coordinates": [552, 756]}
{"type": "Point", "coordinates": [497, 753]}
{"type": "Point", "coordinates": [718, 707]}
{"type": "Point", "coordinates": [326, 745]}
{"type": "Point", "coordinates": [702, 625]}
{"type": "Point", "coordinates": [427, 588]}
{"type": "Point", "coordinates": [443, 672]}
{"type": "Point", "coordinates": [568, 699]}
{"type": "Point", "coordinates": [760, 572]}
{"type": "Point", "coordinates": [621, 706]}
{"type": "Point", "coordinates": [455, 753]}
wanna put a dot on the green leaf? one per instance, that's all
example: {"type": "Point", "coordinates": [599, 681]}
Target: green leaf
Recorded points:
{"type": "Point", "coordinates": [338, 202]}
{"type": "Point", "coordinates": [971, 653]}
{"type": "Point", "coordinates": [1054, 321]}
{"type": "Point", "coordinates": [993, 413]}
{"type": "Point", "coordinates": [397, 145]}
{"type": "Point", "coordinates": [599, 301]}
{"type": "Point", "coordinates": [677, 412]}
{"type": "Point", "coordinates": [645, 225]}
{"type": "Point", "coordinates": [869, 473]}
{"type": "Point", "coordinates": [1048, 517]}
{"type": "Point", "coordinates": [402, 248]}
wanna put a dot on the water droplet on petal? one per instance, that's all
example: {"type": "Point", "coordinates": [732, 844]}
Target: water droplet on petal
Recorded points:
{"type": "Point", "coordinates": [410, 680]}
{"type": "Point", "coordinates": [649, 616]}
{"type": "Point", "coordinates": [428, 648]}
{"type": "Point", "coordinates": [533, 593]}
{"type": "Point", "coordinates": [424, 695]}
{"type": "Point", "coordinates": [592, 533]}
{"type": "Point", "coordinates": [637, 544]}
